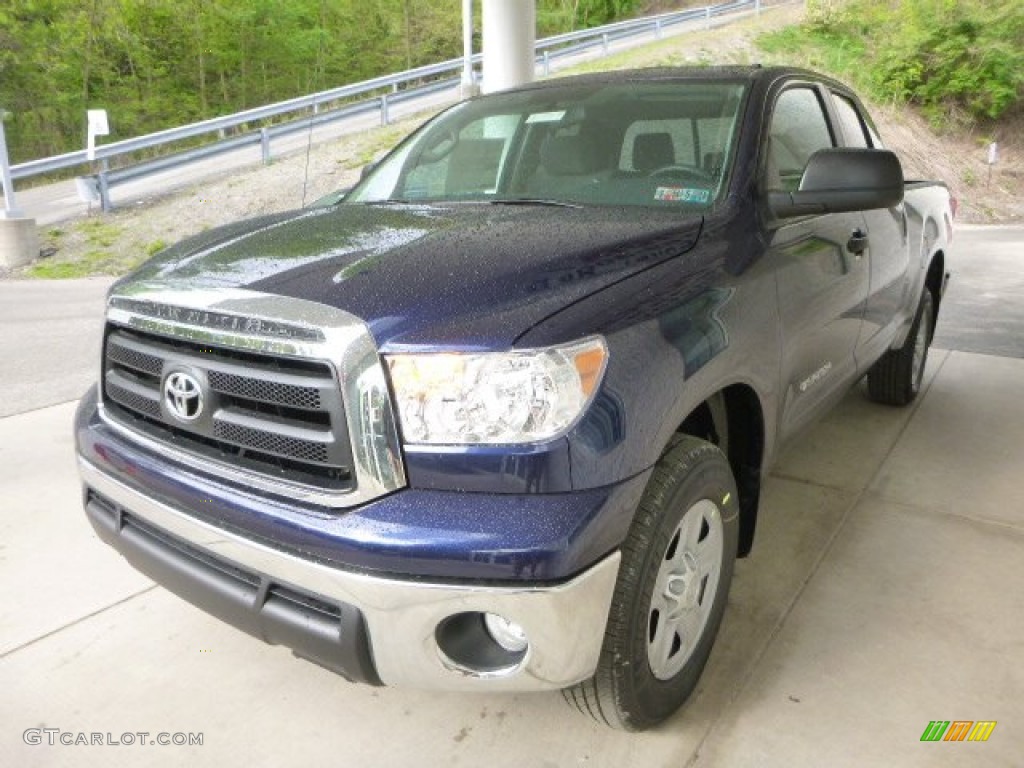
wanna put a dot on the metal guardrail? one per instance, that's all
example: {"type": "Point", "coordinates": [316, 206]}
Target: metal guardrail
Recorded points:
{"type": "Point", "coordinates": [546, 51]}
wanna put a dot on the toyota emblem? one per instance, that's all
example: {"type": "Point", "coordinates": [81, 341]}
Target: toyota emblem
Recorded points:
{"type": "Point", "coordinates": [183, 396]}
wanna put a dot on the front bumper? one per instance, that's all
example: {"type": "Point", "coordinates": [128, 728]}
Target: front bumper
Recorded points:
{"type": "Point", "coordinates": [368, 628]}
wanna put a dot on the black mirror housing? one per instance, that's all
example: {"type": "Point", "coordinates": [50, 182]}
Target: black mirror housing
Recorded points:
{"type": "Point", "coordinates": [841, 180]}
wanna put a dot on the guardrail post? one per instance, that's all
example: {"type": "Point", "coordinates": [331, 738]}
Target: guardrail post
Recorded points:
{"type": "Point", "coordinates": [265, 145]}
{"type": "Point", "coordinates": [547, 63]}
{"type": "Point", "coordinates": [707, 17]}
{"type": "Point", "coordinates": [757, 7]}
{"type": "Point", "coordinates": [105, 205]}
{"type": "Point", "coordinates": [604, 43]}
{"type": "Point", "coordinates": [385, 118]}
{"type": "Point", "coordinates": [657, 29]}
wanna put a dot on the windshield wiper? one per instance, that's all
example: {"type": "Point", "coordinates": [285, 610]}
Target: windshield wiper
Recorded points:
{"type": "Point", "coordinates": [534, 201]}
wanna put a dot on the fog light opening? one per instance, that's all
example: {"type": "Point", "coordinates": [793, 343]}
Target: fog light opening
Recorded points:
{"type": "Point", "coordinates": [482, 644]}
{"type": "Point", "coordinates": [506, 633]}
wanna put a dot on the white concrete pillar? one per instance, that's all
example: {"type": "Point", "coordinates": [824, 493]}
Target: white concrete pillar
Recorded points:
{"type": "Point", "coordinates": [19, 238]}
{"type": "Point", "coordinates": [510, 30]}
{"type": "Point", "coordinates": [19, 242]}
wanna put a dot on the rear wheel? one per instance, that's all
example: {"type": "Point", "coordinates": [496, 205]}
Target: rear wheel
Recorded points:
{"type": "Point", "coordinates": [677, 564]}
{"type": "Point", "coordinates": [896, 378]}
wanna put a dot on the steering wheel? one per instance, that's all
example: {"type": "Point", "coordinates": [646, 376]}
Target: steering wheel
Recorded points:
{"type": "Point", "coordinates": [698, 174]}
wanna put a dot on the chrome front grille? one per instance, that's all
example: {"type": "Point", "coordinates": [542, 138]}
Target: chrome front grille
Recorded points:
{"type": "Point", "coordinates": [294, 398]}
{"type": "Point", "coordinates": [279, 416]}
{"type": "Point", "coordinates": [270, 442]}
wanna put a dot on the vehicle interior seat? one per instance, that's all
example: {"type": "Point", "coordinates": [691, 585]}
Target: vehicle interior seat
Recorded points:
{"type": "Point", "coordinates": [569, 165]}
{"type": "Point", "coordinates": [652, 151]}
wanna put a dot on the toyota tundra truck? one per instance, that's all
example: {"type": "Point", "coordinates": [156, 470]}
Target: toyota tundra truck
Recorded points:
{"type": "Point", "coordinates": [497, 419]}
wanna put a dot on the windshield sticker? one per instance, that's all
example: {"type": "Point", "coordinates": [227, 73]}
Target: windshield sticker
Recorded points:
{"type": "Point", "coordinates": [545, 117]}
{"type": "Point", "coordinates": [682, 194]}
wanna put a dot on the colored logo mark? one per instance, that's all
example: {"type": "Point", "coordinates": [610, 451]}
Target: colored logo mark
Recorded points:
{"type": "Point", "coordinates": [958, 730]}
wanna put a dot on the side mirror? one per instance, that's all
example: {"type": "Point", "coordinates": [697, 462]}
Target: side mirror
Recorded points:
{"type": "Point", "coordinates": [367, 169]}
{"type": "Point", "coordinates": [840, 180]}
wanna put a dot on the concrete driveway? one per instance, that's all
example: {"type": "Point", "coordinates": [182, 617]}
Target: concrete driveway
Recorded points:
{"type": "Point", "coordinates": [884, 593]}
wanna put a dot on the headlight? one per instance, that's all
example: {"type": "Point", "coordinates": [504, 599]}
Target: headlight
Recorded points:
{"type": "Point", "coordinates": [522, 396]}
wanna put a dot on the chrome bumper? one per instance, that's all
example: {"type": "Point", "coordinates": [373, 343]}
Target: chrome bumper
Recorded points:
{"type": "Point", "coordinates": [564, 623]}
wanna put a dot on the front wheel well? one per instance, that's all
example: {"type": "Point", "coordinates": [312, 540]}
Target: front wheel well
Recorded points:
{"type": "Point", "coordinates": [933, 283]}
{"type": "Point", "coordinates": [733, 420]}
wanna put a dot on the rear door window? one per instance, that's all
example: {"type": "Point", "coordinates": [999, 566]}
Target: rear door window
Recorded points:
{"type": "Point", "coordinates": [849, 119]}
{"type": "Point", "coordinates": [798, 129]}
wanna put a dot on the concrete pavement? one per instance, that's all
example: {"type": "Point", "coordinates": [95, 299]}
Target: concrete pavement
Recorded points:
{"type": "Point", "coordinates": [984, 311]}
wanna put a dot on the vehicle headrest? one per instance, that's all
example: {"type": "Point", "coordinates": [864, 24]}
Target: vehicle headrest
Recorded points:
{"type": "Point", "coordinates": [652, 151]}
{"type": "Point", "coordinates": [571, 155]}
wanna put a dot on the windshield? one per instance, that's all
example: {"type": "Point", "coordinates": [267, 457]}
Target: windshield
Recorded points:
{"type": "Point", "coordinates": [663, 143]}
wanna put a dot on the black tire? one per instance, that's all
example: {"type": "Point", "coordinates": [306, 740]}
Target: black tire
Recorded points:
{"type": "Point", "coordinates": [629, 690]}
{"type": "Point", "coordinates": [896, 378]}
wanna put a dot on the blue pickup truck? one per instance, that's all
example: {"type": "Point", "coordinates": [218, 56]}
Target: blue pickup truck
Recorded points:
{"type": "Point", "coordinates": [497, 420]}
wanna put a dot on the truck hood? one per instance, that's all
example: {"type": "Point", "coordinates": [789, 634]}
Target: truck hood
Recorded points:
{"type": "Point", "coordinates": [465, 276]}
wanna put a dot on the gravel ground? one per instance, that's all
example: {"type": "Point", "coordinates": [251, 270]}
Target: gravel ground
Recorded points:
{"type": "Point", "coordinates": [115, 242]}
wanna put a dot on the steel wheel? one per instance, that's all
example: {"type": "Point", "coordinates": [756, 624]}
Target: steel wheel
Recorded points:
{"type": "Point", "coordinates": [684, 590]}
{"type": "Point", "coordinates": [671, 591]}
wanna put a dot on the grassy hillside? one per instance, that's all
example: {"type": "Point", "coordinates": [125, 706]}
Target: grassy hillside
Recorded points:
{"type": "Point", "coordinates": [960, 61]}
{"type": "Point", "coordinates": [945, 78]}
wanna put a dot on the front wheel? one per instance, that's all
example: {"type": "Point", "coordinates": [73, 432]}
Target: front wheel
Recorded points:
{"type": "Point", "coordinates": [677, 564]}
{"type": "Point", "coordinates": [896, 378]}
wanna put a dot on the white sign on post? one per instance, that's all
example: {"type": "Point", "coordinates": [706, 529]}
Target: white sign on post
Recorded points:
{"type": "Point", "coordinates": [97, 126]}
{"type": "Point", "coordinates": [993, 153]}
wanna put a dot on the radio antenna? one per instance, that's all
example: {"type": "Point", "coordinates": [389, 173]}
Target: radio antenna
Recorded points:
{"type": "Point", "coordinates": [317, 85]}
{"type": "Point", "coordinates": [309, 148]}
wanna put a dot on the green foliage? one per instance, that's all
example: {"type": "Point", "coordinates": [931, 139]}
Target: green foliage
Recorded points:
{"type": "Point", "coordinates": [821, 48]}
{"type": "Point", "coordinates": [99, 232]}
{"type": "Point", "coordinates": [955, 58]}
{"type": "Point", "coordinates": [60, 270]}
{"type": "Point", "coordinates": [94, 262]}
{"type": "Point", "coordinates": [155, 64]}
{"type": "Point", "coordinates": [555, 16]}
